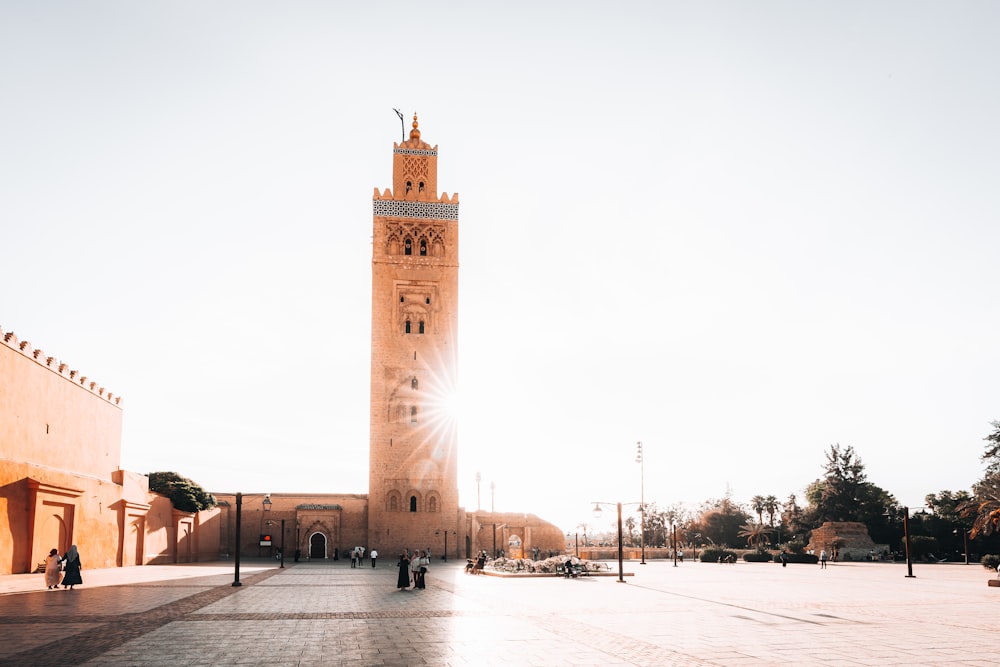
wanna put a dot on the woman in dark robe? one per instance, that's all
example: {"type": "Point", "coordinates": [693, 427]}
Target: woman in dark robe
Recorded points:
{"type": "Point", "coordinates": [403, 580]}
{"type": "Point", "coordinates": [71, 568]}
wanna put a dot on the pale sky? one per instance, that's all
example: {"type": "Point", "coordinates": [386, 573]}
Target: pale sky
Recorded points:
{"type": "Point", "coordinates": [738, 232]}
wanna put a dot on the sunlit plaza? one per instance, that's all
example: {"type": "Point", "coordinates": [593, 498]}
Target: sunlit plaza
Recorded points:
{"type": "Point", "coordinates": [327, 613]}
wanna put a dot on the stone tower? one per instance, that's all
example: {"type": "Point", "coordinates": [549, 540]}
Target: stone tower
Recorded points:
{"type": "Point", "coordinates": [413, 476]}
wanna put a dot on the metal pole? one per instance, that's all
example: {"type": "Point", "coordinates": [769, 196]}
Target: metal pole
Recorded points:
{"type": "Point", "coordinates": [576, 538]}
{"type": "Point", "coordinates": [906, 539]}
{"type": "Point", "coordinates": [673, 539]}
{"type": "Point", "coordinates": [965, 542]}
{"type": "Point", "coordinates": [282, 543]}
{"type": "Point", "coordinates": [642, 503]}
{"type": "Point", "coordinates": [494, 540]}
{"type": "Point", "coordinates": [446, 545]}
{"type": "Point", "coordinates": [239, 519]}
{"type": "Point", "coordinates": [621, 565]}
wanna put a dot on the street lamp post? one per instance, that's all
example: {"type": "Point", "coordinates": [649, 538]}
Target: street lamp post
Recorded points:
{"type": "Point", "coordinates": [445, 556]}
{"type": "Point", "coordinates": [239, 520]}
{"type": "Point", "coordinates": [642, 501]}
{"type": "Point", "coordinates": [906, 536]}
{"type": "Point", "coordinates": [282, 543]}
{"type": "Point", "coordinates": [267, 508]}
{"type": "Point", "coordinates": [621, 565]}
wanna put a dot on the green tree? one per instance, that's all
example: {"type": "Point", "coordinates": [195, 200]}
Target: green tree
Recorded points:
{"type": "Point", "coordinates": [771, 507]}
{"type": "Point", "coordinates": [755, 533]}
{"type": "Point", "coordinates": [185, 495]}
{"type": "Point", "coordinates": [721, 520]}
{"type": "Point", "coordinates": [759, 504]}
{"type": "Point", "coordinates": [845, 494]}
{"type": "Point", "coordinates": [984, 507]}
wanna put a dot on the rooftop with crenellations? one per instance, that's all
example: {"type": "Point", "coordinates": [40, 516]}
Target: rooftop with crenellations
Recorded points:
{"type": "Point", "coordinates": [9, 339]}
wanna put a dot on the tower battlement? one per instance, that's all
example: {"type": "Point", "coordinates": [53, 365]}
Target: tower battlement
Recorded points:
{"type": "Point", "coordinates": [9, 339]}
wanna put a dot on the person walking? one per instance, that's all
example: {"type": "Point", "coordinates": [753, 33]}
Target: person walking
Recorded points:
{"type": "Point", "coordinates": [822, 559]}
{"type": "Point", "coordinates": [415, 568]}
{"type": "Point", "coordinates": [71, 564]}
{"type": "Point", "coordinates": [374, 555]}
{"type": "Point", "coordinates": [425, 562]}
{"type": "Point", "coordinates": [53, 569]}
{"type": "Point", "coordinates": [403, 580]}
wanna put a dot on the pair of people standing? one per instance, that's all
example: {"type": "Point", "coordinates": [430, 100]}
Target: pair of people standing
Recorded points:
{"type": "Point", "coordinates": [69, 563]}
{"type": "Point", "coordinates": [412, 569]}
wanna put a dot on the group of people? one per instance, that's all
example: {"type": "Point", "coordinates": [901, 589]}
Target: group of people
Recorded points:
{"type": "Point", "coordinates": [358, 556]}
{"type": "Point", "coordinates": [413, 569]}
{"type": "Point", "coordinates": [65, 568]}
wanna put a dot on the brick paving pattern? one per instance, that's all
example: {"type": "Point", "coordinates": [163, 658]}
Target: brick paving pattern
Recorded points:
{"type": "Point", "coordinates": [327, 613]}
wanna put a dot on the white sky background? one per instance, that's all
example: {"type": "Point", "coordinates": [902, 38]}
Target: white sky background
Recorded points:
{"type": "Point", "coordinates": [739, 232]}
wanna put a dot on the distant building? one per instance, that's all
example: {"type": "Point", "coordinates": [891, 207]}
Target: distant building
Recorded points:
{"type": "Point", "coordinates": [412, 500]}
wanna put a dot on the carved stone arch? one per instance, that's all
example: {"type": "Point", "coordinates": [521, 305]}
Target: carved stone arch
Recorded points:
{"type": "Point", "coordinates": [394, 501]}
{"type": "Point", "coordinates": [433, 502]}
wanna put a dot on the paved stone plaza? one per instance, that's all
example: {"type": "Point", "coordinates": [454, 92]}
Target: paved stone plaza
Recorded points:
{"type": "Point", "coordinates": [330, 614]}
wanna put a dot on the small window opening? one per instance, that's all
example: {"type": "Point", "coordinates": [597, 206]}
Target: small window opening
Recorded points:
{"type": "Point", "coordinates": [407, 326]}
{"type": "Point", "coordinates": [421, 327]}
{"type": "Point", "coordinates": [428, 301]}
{"type": "Point", "coordinates": [402, 298]}
{"type": "Point", "coordinates": [421, 186]}
{"type": "Point", "coordinates": [423, 247]}
{"type": "Point", "coordinates": [413, 414]}
{"type": "Point", "coordinates": [409, 186]}
{"type": "Point", "coordinates": [413, 384]}
{"type": "Point", "coordinates": [413, 503]}
{"type": "Point", "coordinates": [408, 247]}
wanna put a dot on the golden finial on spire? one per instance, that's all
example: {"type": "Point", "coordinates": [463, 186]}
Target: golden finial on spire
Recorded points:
{"type": "Point", "coordinates": [415, 133]}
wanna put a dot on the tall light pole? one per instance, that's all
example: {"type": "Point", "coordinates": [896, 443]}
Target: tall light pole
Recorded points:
{"type": "Point", "coordinates": [906, 535]}
{"type": "Point", "coordinates": [642, 500]}
{"type": "Point", "coordinates": [239, 520]}
{"type": "Point", "coordinates": [621, 564]}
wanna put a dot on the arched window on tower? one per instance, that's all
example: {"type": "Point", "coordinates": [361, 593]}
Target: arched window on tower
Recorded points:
{"type": "Point", "coordinates": [408, 247]}
{"type": "Point", "coordinates": [413, 414]}
{"type": "Point", "coordinates": [407, 326]}
{"type": "Point", "coordinates": [423, 247]}
{"type": "Point", "coordinates": [421, 329]}
{"type": "Point", "coordinates": [421, 186]}
{"type": "Point", "coordinates": [409, 185]}
{"type": "Point", "coordinates": [432, 504]}
{"type": "Point", "coordinates": [413, 503]}
{"type": "Point", "coordinates": [393, 504]}
{"type": "Point", "coordinates": [413, 384]}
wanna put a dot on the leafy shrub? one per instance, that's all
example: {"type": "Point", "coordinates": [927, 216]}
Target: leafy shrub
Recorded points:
{"type": "Point", "coordinates": [796, 547]}
{"type": "Point", "coordinates": [757, 557]}
{"type": "Point", "coordinates": [714, 554]}
{"type": "Point", "coordinates": [990, 561]}
{"type": "Point", "coordinates": [183, 493]}
{"type": "Point", "coordinates": [811, 559]}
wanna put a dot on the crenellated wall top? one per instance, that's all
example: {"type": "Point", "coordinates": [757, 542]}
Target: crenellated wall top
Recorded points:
{"type": "Point", "coordinates": [9, 339]}
{"type": "Point", "coordinates": [387, 194]}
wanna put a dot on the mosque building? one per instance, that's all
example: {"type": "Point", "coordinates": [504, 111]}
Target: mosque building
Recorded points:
{"type": "Point", "coordinates": [46, 410]}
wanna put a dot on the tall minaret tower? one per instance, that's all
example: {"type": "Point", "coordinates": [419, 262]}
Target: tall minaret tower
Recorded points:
{"type": "Point", "coordinates": [413, 483]}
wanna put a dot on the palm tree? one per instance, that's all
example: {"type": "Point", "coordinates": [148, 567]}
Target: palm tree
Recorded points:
{"type": "Point", "coordinates": [759, 505]}
{"type": "Point", "coordinates": [771, 506]}
{"type": "Point", "coordinates": [984, 507]}
{"type": "Point", "coordinates": [755, 534]}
